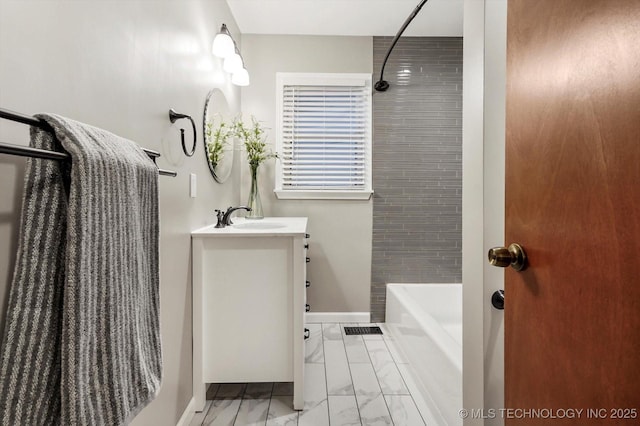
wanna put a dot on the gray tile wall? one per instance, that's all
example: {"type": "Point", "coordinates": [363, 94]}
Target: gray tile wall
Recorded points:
{"type": "Point", "coordinates": [417, 165]}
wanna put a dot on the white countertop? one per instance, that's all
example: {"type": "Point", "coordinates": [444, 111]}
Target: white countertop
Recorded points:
{"type": "Point", "coordinates": [267, 227]}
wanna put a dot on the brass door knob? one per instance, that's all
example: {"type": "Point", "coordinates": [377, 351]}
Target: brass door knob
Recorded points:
{"type": "Point", "coordinates": [513, 256]}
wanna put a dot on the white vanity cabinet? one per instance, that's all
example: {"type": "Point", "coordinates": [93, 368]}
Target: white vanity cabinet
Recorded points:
{"type": "Point", "coordinates": [249, 303]}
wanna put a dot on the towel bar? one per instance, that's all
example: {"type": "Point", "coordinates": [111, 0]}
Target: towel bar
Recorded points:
{"type": "Point", "coordinates": [24, 151]}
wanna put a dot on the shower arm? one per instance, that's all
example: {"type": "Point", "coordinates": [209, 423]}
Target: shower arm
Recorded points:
{"type": "Point", "coordinates": [382, 85]}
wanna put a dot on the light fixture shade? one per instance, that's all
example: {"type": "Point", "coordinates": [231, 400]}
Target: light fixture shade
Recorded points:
{"type": "Point", "coordinates": [233, 63]}
{"type": "Point", "coordinates": [223, 46]}
{"type": "Point", "coordinates": [240, 78]}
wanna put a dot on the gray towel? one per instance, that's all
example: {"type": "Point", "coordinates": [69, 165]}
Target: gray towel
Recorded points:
{"type": "Point", "coordinates": [82, 338]}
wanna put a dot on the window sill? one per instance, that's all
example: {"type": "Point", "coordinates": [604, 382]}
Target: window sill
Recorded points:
{"type": "Point", "coordinates": [322, 195]}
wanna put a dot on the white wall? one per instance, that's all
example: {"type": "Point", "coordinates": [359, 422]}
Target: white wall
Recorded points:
{"type": "Point", "coordinates": [340, 268]}
{"type": "Point", "coordinates": [121, 65]}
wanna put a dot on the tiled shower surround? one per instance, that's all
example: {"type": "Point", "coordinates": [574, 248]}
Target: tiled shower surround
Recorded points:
{"type": "Point", "coordinates": [417, 165]}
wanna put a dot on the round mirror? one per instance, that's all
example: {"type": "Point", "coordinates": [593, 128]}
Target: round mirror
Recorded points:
{"type": "Point", "coordinates": [218, 140]}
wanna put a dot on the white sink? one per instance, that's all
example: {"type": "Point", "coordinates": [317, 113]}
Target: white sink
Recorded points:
{"type": "Point", "coordinates": [259, 225]}
{"type": "Point", "coordinates": [242, 227]}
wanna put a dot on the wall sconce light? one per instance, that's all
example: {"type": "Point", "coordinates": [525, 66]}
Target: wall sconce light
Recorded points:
{"type": "Point", "coordinates": [224, 46]}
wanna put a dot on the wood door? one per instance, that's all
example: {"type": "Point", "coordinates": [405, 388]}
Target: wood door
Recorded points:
{"type": "Point", "coordinates": [572, 319]}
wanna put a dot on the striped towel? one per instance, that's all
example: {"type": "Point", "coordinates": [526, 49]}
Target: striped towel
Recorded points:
{"type": "Point", "coordinates": [81, 344]}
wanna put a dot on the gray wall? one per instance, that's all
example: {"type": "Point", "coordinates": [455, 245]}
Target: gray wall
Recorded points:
{"type": "Point", "coordinates": [340, 244]}
{"type": "Point", "coordinates": [121, 65]}
{"type": "Point", "coordinates": [417, 165]}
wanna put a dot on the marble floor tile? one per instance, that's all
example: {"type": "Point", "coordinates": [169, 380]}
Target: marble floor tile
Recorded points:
{"type": "Point", "coordinates": [212, 390]}
{"type": "Point", "coordinates": [318, 415]}
{"type": "Point", "coordinates": [385, 329]}
{"type": "Point", "coordinates": [356, 350]}
{"type": "Point", "coordinates": [282, 389]}
{"type": "Point", "coordinates": [371, 404]}
{"type": "Point", "coordinates": [314, 351]}
{"type": "Point", "coordinates": [423, 402]}
{"type": "Point", "coordinates": [258, 390]}
{"type": "Point", "coordinates": [386, 370]}
{"type": "Point", "coordinates": [337, 367]}
{"type": "Point", "coordinates": [343, 411]}
{"type": "Point", "coordinates": [230, 390]}
{"type": "Point", "coordinates": [365, 381]}
{"type": "Point", "coordinates": [331, 331]}
{"type": "Point", "coordinates": [349, 380]}
{"type": "Point", "coordinates": [253, 412]}
{"type": "Point", "coordinates": [222, 412]}
{"type": "Point", "coordinates": [373, 410]}
{"type": "Point", "coordinates": [394, 350]}
{"type": "Point", "coordinates": [371, 336]}
{"type": "Point", "coordinates": [403, 410]}
{"type": "Point", "coordinates": [347, 324]}
{"type": "Point", "coordinates": [315, 385]}
{"type": "Point", "coordinates": [198, 418]}
{"type": "Point", "coordinates": [315, 411]}
{"type": "Point", "coordinates": [281, 412]}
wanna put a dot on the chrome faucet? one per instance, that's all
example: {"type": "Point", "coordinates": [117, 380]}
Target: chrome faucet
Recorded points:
{"type": "Point", "coordinates": [224, 219]}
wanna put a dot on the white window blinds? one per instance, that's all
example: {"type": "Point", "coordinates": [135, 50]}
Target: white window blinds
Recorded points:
{"type": "Point", "coordinates": [325, 135]}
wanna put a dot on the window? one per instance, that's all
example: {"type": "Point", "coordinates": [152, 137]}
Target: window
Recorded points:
{"type": "Point", "coordinates": [323, 136]}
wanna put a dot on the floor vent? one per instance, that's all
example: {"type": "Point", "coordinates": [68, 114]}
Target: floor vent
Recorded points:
{"type": "Point", "coordinates": [350, 331]}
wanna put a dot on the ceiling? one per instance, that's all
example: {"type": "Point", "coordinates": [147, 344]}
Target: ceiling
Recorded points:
{"type": "Point", "coordinates": [347, 17]}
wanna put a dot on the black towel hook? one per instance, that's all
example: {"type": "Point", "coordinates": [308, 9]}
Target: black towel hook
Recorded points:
{"type": "Point", "coordinates": [173, 116]}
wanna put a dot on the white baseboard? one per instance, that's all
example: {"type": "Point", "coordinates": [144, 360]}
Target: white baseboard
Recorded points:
{"type": "Point", "coordinates": [315, 317]}
{"type": "Point", "coordinates": [187, 414]}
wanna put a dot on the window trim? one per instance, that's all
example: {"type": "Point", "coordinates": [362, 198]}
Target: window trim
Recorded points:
{"type": "Point", "coordinates": [323, 79]}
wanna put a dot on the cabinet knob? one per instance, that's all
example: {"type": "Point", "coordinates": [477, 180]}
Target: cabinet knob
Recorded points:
{"type": "Point", "coordinates": [308, 260]}
{"type": "Point", "coordinates": [306, 246]}
{"type": "Point", "coordinates": [307, 236]}
{"type": "Point", "coordinates": [307, 284]}
{"type": "Point", "coordinates": [307, 307]}
{"type": "Point", "coordinates": [306, 333]}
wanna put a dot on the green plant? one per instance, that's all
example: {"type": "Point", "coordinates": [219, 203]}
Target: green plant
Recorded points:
{"type": "Point", "coordinates": [254, 141]}
{"type": "Point", "coordinates": [217, 139]}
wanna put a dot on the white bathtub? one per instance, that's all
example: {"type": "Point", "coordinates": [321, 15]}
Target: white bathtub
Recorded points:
{"type": "Point", "coordinates": [425, 321]}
